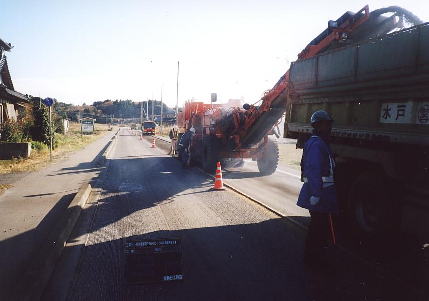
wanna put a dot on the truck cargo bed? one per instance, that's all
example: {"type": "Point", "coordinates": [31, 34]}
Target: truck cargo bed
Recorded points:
{"type": "Point", "coordinates": [397, 59]}
{"type": "Point", "coordinates": [376, 91]}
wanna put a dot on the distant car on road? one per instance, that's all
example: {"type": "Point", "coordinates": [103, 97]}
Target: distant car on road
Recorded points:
{"type": "Point", "coordinates": [148, 127]}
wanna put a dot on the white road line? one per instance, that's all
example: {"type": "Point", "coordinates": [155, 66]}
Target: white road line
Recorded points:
{"type": "Point", "coordinates": [288, 173]}
{"type": "Point", "coordinates": [279, 170]}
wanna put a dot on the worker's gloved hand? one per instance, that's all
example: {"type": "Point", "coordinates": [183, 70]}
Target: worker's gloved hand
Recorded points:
{"type": "Point", "coordinates": [314, 200]}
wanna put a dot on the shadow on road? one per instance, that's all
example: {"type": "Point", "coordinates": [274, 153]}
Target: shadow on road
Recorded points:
{"type": "Point", "coordinates": [93, 165]}
{"type": "Point", "coordinates": [24, 255]}
{"type": "Point", "coordinates": [256, 261]}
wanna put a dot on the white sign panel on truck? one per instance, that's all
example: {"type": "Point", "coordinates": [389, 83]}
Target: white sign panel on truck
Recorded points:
{"type": "Point", "coordinates": [396, 112]}
{"type": "Point", "coordinates": [423, 113]}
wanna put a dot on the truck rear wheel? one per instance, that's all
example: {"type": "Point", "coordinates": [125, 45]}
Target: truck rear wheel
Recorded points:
{"type": "Point", "coordinates": [373, 207]}
{"type": "Point", "coordinates": [269, 159]}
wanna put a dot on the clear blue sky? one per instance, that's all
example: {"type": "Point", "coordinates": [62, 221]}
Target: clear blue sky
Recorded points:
{"type": "Point", "coordinates": [84, 51]}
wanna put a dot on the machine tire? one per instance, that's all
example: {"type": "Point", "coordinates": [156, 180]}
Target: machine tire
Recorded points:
{"type": "Point", "coordinates": [267, 163]}
{"type": "Point", "coordinates": [373, 205]}
{"type": "Point", "coordinates": [210, 155]}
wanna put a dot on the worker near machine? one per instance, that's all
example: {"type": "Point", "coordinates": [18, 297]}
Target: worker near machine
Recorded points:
{"type": "Point", "coordinates": [185, 147]}
{"type": "Point", "coordinates": [173, 136]}
{"type": "Point", "coordinates": [318, 193]}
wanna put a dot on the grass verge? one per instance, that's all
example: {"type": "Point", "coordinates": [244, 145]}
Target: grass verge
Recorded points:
{"type": "Point", "coordinates": [69, 142]}
{"type": "Point", "coordinates": [4, 187]}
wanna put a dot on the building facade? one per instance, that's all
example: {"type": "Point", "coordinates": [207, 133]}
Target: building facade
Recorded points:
{"type": "Point", "coordinates": [12, 103]}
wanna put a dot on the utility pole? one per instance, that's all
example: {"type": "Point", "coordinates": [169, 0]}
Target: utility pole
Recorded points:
{"type": "Point", "coordinates": [147, 109]}
{"type": "Point", "coordinates": [153, 106]}
{"type": "Point", "coordinates": [49, 102]}
{"type": "Point", "coordinates": [177, 91]}
{"type": "Point", "coordinates": [141, 113]}
{"type": "Point", "coordinates": [161, 109]}
{"type": "Point", "coordinates": [50, 133]}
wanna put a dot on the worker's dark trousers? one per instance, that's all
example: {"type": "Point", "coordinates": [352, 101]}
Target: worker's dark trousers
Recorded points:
{"type": "Point", "coordinates": [186, 157]}
{"type": "Point", "coordinates": [318, 236]}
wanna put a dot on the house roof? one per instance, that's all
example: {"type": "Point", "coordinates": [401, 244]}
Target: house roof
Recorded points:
{"type": "Point", "coordinates": [5, 46]}
{"type": "Point", "coordinates": [7, 91]}
{"type": "Point", "coordinates": [5, 74]}
{"type": "Point", "coordinates": [11, 95]}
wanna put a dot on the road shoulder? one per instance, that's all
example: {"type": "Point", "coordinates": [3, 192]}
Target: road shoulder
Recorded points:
{"type": "Point", "coordinates": [31, 210]}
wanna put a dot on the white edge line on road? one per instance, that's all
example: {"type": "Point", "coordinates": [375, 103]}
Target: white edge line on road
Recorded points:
{"type": "Point", "coordinates": [280, 171]}
{"type": "Point", "coordinates": [288, 173]}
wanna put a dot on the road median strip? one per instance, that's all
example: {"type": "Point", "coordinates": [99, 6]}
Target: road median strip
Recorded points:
{"type": "Point", "coordinates": [109, 147]}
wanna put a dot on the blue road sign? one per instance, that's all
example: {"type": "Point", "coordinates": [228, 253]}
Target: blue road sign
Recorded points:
{"type": "Point", "coordinates": [48, 101]}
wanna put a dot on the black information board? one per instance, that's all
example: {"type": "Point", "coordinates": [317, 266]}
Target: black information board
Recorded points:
{"type": "Point", "coordinates": [153, 260]}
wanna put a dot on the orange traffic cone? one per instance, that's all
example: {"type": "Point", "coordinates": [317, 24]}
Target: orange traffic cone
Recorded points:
{"type": "Point", "coordinates": [218, 184]}
{"type": "Point", "coordinates": [153, 143]}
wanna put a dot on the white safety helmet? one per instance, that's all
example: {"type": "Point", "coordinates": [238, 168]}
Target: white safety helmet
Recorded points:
{"type": "Point", "coordinates": [320, 115]}
{"type": "Point", "coordinates": [192, 129]}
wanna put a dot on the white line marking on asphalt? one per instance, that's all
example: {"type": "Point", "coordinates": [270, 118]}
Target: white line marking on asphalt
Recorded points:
{"type": "Point", "coordinates": [288, 173]}
{"type": "Point", "coordinates": [279, 170]}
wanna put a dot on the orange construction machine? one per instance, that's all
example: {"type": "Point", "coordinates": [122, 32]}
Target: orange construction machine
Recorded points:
{"type": "Point", "coordinates": [218, 132]}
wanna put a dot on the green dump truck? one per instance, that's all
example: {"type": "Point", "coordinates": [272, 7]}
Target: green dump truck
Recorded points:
{"type": "Point", "coordinates": [378, 93]}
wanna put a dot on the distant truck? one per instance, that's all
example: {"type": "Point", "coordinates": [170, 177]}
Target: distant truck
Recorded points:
{"type": "Point", "coordinates": [378, 94]}
{"type": "Point", "coordinates": [148, 127]}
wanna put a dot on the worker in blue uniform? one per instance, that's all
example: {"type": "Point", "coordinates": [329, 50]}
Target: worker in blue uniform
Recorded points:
{"type": "Point", "coordinates": [185, 147]}
{"type": "Point", "coordinates": [318, 193]}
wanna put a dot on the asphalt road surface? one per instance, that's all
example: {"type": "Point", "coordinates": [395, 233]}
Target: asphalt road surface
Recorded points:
{"type": "Point", "coordinates": [232, 248]}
